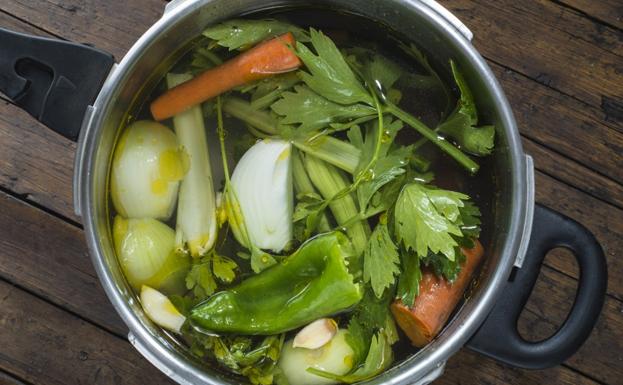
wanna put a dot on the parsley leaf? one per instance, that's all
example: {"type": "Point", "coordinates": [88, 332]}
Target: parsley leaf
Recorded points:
{"type": "Point", "coordinates": [443, 92]}
{"type": "Point", "coordinates": [223, 268]}
{"type": "Point", "coordinates": [381, 260]}
{"type": "Point", "coordinates": [461, 125]}
{"type": "Point", "coordinates": [427, 218]}
{"type": "Point", "coordinates": [200, 279]}
{"type": "Point", "coordinates": [240, 34]}
{"type": "Point", "coordinates": [312, 112]}
{"type": "Point", "coordinates": [442, 266]}
{"type": "Point", "coordinates": [267, 91]}
{"type": "Point", "coordinates": [409, 280]}
{"type": "Point", "coordinates": [307, 215]}
{"type": "Point", "coordinates": [387, 167]}
{"type": "Point", "coordinates": [329, 74]}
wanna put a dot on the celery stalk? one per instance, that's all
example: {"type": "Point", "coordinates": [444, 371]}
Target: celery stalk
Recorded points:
{"type": "Point", "coordinates": [196, 211]}
{"type": "Point", "coordinates": [330, 181]}
{"type": "Point", "coordinates": [332, 150]}
{"type": "Point", "coordinates": [303, 185]}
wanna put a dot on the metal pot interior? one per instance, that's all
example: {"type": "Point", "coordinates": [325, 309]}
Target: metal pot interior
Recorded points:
{"type": "Point", "coordinates": [501, 180]}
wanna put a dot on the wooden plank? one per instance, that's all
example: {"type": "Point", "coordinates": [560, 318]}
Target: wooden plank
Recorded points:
{"type": "Point", "coordinates": [37, 163]}
{"type": "Point", "coordinates": [601, 356]}
{"type": "Point", "coordinates": [45, 345]}
{"type": "Point", "coordinates": [564, 124]}
{"type": "Point", "coordinates": [607, 11]}
{"type": "Point", "coordinates": [109, 25]}
{"type": "Point", "coordinates": [574, 174]}
{"type": "Point", "coordinates": [470, 368]}
{"type": "Point", "coordinates": [604, 220]}
{"type": "Point", "coordinates": [49, 257]}
{"type": "Point", "coordinates": [526, 37]}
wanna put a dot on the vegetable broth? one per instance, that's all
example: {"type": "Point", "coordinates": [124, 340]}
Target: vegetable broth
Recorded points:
{"type": "Point", "coordinates": [352, 31]}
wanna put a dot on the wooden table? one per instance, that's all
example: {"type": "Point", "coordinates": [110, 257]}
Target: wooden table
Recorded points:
{"type": "Point", "coordinates": [561, 65]}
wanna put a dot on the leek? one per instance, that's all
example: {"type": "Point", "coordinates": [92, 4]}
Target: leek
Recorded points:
{"type": "Point", "coordinates": [196, 211]}
{"type": "Point", "coordinates": [146, 169]}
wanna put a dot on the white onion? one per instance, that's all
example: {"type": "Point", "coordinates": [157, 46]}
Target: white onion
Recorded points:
{"type": "Point", "coordinates": [334, 357]}
{"type": "Point", "coordinates": [145, 248]}
{"type": "Point", "coordinates": [147, 166]}
{"type": "Point", "coordinates": [262, 182]}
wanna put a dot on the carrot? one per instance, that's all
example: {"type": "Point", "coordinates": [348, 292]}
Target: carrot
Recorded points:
{"type": "Point", "coordinates": [268, 58]}
{"type": "Point", "coordinates": [436, 301]}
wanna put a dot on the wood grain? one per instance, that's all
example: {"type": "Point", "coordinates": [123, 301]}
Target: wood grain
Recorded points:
{"type": "Point", "coordinates": [49, 257]}
{"type": "Point", "coordinates": [574, 174]}
{"type": "Point", "coordinates": [603, 220]}
{"type": "Point", "coordinates": [470, 368]}
{"type": "Point", "coordinates": [526, 37]}
{"type": "Point", "coordinates": [43, 344]}
{"type": "Point", "coordinates": [110, 25]}
{"type": "Point", "coordinates": [564, 124]}
{"type": "Point", "coordinates": [37, 163]}
{"type": "Point", "coordinates": [601, 356]}
{"type": "Point", "coordinates": [606, 11]}
{"type": "Point", "coordinates": [560, 67]}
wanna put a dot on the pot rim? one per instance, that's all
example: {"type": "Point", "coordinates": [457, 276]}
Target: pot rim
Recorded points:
{"type": "Point", "coordinates": [426, 360]}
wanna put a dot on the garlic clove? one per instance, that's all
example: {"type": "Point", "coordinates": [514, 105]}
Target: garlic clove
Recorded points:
{"type": "Point", "coordinates": [316, 334]}
{"type": "Point", "coordinates": [161, 310]}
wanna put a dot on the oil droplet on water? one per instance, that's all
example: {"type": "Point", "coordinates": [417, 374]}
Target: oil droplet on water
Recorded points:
{"type": "Point", "coordinates": [383, 219]}
{"type": "Point", "coordinates": [387, 137]}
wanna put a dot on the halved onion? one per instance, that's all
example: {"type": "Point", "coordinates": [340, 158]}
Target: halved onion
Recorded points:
{"type": "Point", "coordinates": [262, 182]}
{"type": "Point", "coordinates": [146, 251]}
{"type": "Point", "coordinates": [146, 170]}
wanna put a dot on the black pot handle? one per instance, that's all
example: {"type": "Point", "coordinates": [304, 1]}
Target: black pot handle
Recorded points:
{"type": "Point", "coordinates": [53, 80]}
{"type": "Point", "coordinates": [498, 336]}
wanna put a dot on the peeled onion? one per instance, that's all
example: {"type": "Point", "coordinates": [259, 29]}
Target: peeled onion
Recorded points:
{"type": "Point", "coordinates": [146, 170]}
{"type": "Point", "coordinates": [334, 357]}
{"type": "Point", "coordinates": [146, 251]}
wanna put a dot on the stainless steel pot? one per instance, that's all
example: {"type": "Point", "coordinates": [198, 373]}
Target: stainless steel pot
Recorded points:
{"type": "Point", "coordinates": [40, 75]}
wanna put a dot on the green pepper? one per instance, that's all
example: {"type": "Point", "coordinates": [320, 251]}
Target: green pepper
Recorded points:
{"type": "Point", "coordinates": [312, 283]}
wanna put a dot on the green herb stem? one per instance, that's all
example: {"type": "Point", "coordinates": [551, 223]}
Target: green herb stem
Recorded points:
{"type": "Point", "coordinates": [431, 135]}
{"type": "Point", "coordinates": [241, 109]}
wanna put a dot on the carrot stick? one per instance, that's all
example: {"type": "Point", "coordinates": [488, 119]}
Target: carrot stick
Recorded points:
{"type": "Point", "coordinates": [268, 58]}
{"type": "Point", "coordinates": [436, 301]}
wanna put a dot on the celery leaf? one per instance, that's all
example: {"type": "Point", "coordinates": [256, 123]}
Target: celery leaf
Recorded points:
{"type": "Point", "coordinates": [241, 34]}
{"type": "Point", "coordinates": [381, 260]}
{"type": "Point", "coordinates": [461, 124]}
{"type": "Point", "coordinates": [329, 74]}
{"type": "Point", "coordinates": [312, 111]}
{"type": "Point", "coordinates": [427, 218]}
